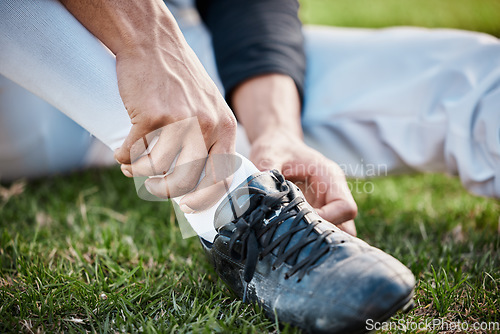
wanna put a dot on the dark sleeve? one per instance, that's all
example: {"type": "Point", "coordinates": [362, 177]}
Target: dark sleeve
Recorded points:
{"type": "Point", "coordinates": [253, 37]}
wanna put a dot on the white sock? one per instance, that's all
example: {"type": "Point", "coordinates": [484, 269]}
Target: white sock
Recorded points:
{"type": "Point", "coordinates": [47, 51]}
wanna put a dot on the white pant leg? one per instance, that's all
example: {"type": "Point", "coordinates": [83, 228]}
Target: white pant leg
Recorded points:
{"type": "Point", "coordinates": [37, 140]}
{"type": "Point", "coordinates": [55, 144]}
{"type": "Point", "coordinates": [406, 99]}
{"type": "Point", "coordinates": [47, 51]}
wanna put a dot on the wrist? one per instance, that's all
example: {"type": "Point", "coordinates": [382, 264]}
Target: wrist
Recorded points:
{"type": "Point", "coordinates": [267, 106]}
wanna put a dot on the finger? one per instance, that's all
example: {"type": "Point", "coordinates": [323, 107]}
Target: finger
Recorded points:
{"type": "Point", "coordinates": [222, 163]}
{"type": "Point", "coordinates": [184, 177]}
{"type": "Point", "coordinates": [348, 227]}
{"type": "Point", "coordinates": [171, 138]}
{"type": "Point", "coordinates": [135, 144]}
{"type": "Point", "coordinates": [338, 211]}
{"type": "Point", "coordinates": [219, 172]}
{"type": "Point", "coordinates": [157, 162]}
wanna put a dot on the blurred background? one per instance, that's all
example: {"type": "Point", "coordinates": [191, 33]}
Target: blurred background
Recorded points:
{"type": "Point", "coordinates": [477, 15]}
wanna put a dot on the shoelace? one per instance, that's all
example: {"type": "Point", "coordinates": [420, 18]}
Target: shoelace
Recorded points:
{"type": "Point", "coordinates": [250, 228]}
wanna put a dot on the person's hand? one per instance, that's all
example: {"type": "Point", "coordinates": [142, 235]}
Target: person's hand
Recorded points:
{"type": "Point", "coordinates": [321, 180]}
{"type": "Point", "coordinates": [268, 106]}
{"type": "Point", "coordinates": [169, 95]}
{"type": "Point", "coordinates": [176, 110]}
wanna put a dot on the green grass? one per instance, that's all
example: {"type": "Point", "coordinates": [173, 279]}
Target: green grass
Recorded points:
{"type": "Point", "coordinates": [67, 240]}
{"type": "Point", "coordinates": [82, 253]}
{"type": "Point", "coordinates": [477, 15]}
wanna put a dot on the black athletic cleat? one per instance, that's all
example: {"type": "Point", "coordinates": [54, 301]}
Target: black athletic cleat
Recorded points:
{"type": "Point", "coordinates": [273, 249]}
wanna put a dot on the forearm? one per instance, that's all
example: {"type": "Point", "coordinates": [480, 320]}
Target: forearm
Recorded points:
{"type": "Point", "coordinates": [268, 104]}
{"type": "Point", "coordinates": [126, 26]}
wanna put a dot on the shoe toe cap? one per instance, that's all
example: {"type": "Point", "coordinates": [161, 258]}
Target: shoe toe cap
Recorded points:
{"type": "Point", "coordinates": [372, 285]}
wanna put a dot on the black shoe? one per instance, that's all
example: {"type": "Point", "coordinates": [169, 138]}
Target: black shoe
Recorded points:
{"type": "Point", "coordinates": [273, 249]}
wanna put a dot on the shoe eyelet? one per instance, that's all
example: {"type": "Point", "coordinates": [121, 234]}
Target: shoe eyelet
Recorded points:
{"type": "Point", "coordinates": [286, 276]}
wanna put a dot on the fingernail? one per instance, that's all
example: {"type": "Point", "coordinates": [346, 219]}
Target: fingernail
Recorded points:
{"type": "Point", "coordinates": [127, 173]}
{"type": "Point", "coordinates": [186, 209]}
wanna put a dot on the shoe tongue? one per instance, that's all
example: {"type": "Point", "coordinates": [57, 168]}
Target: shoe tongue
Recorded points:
{"type": "Point", "coordinates": [240, 200]}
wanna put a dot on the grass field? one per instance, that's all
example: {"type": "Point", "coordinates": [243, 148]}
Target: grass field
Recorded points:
{"type": "Point", "coordinates": [82, 253]}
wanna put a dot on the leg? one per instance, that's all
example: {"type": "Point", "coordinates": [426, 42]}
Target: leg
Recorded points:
{"type": "Point", "coordinates": [51, 142]}
{"type": "Point", "coordinates": [36, 139]}
{"type": "Point", "coordinates": [73, 71]}
{"type": "Point", "coordinates": [405, 99]}
{"type": "Point", "coordinates": [69, 68]}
